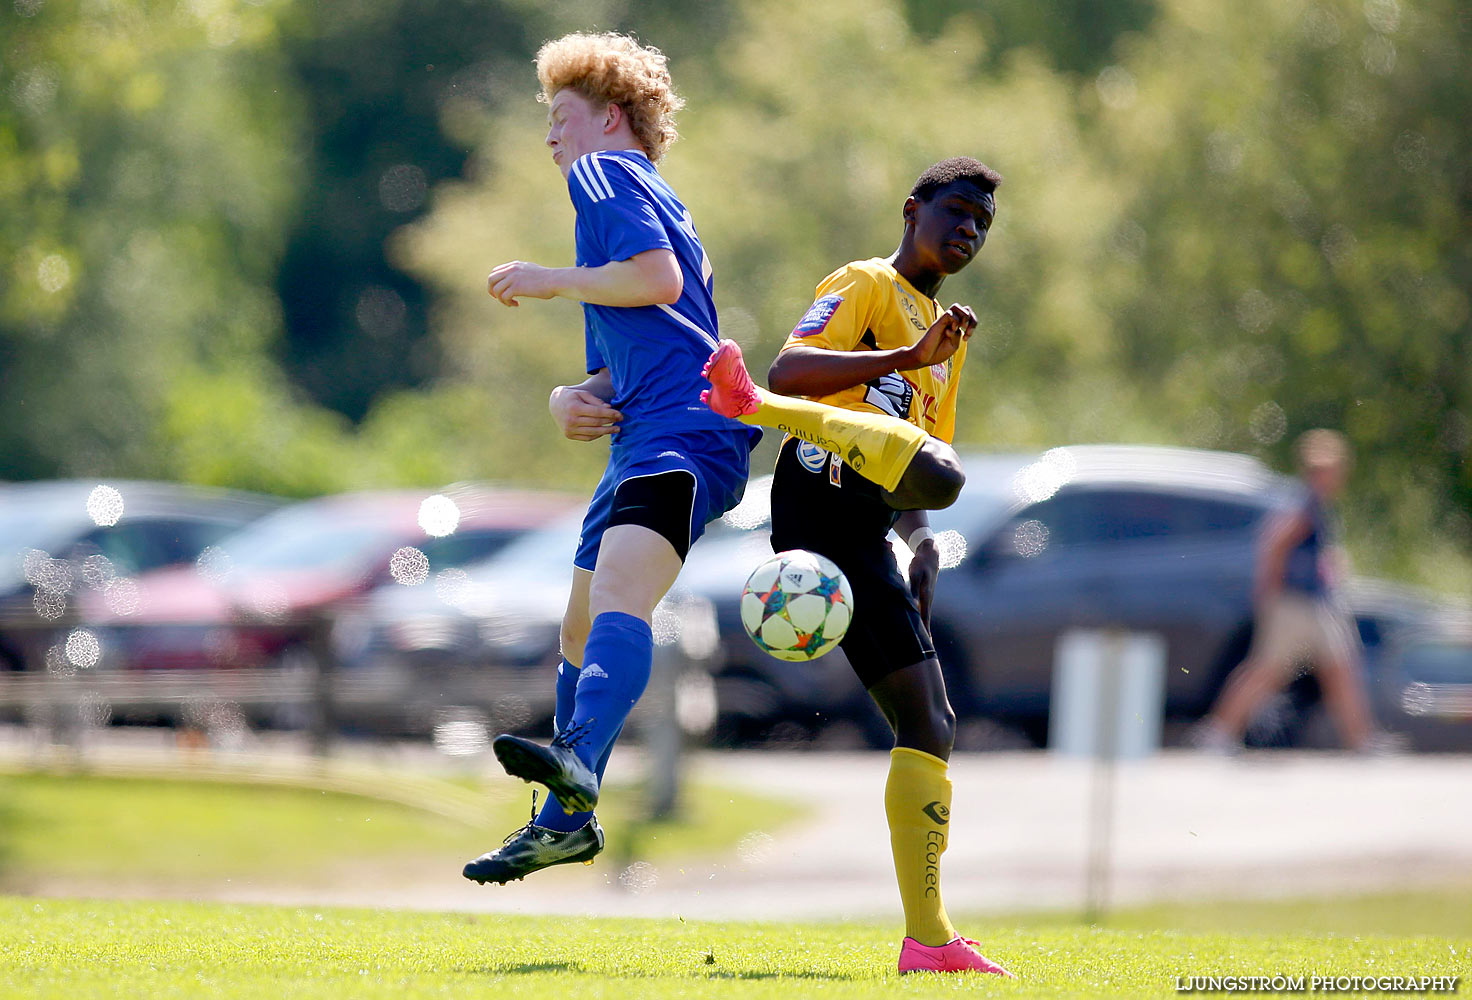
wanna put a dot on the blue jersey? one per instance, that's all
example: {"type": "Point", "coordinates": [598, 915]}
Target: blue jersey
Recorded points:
{"type": "Point", "coordinates": [654, 353]}
{"type": "Point", "coordinates": [1304, 571]}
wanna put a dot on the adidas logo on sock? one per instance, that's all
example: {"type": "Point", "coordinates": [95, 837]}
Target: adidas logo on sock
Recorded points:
{"type": "Point", "coordinates": [593, 670]}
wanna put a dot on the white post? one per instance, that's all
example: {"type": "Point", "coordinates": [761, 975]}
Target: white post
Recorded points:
{"type": "Point", "coordinates": [1108, 699]}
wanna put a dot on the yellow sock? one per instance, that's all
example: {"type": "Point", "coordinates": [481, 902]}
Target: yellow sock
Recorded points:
{"type": "Point", "coordinates": [917, 799]}
{"type": "Point", "coordinates": [877, 447]}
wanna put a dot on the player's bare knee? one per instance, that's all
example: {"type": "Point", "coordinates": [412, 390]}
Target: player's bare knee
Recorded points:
{"type": "Point", "coordinates": [939, 476]}
{"type": "Point", "coordinates": [931, 730]}
{"type": "Point", "coordinates": [943, 729]}
{"type": "Point", "coordinates": [572, 638]}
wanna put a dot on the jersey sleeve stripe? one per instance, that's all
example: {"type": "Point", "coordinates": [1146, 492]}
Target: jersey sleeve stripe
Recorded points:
{"type": "Point", "coordinates": [705, 335]}
{"type": "Point", "coordinates": [597, 163]}
{"type": "Point", "coordinates": [589, 186]}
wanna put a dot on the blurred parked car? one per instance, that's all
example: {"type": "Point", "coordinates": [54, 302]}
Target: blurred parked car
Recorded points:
{"type": "Point", "coordinates": [257, 597]}
{"type": "Point", "coordinates": [488, 638]}
{"type": "Point", "coordinates": [65, 542]}
{"type": "Point", "coordinates": [1138, 538]}
{"type": "Point", "coordinates": [1156, 539]}
{"type": "Point", "coordinates": [1143, 539]}
{"type": "Point", "coordinates": [506, 609]}
{"type": "Point", "coordinates": [1419, 655]}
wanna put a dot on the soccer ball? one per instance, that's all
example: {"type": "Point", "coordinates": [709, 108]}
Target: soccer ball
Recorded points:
{"type": "Point", "coordinates": [797, 605]}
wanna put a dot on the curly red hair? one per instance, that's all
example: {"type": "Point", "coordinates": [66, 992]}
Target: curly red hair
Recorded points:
{"type": "Point", "coordinates": [615, 69]}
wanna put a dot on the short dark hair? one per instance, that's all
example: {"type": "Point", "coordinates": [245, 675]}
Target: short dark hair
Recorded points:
{"type": "Point", "coordinates": [957, 168]}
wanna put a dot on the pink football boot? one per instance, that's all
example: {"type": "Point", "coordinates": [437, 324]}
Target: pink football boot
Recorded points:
{"type": "Point", "coordinates": [732, 393]}
{"type": "Point", "coordinates": [956, 955]}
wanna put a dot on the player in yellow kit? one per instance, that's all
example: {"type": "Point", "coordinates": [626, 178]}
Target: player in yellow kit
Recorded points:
{"type": "Point", "coordinates": [879, 362]}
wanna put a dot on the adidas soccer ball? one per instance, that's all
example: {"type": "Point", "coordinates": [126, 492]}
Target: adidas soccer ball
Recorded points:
{"type": "Point", "coordinates": [797, 605]}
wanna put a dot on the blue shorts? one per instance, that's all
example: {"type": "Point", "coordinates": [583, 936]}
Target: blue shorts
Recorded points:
{"type": "Point", "coordinates": [718, 461]}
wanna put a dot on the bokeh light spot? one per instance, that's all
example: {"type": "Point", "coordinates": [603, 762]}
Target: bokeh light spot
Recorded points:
{"type": "Point", "coordinates": [639, 877]}
{"type": "Point", "coordinates": [1383, 15]}
{"type": "Point", "coordinates": [461, 733]}
{"type": "Point", "coordinates": [1268, 423]}
{"type": "Point", "coordinates": [122, 597]}
{"type": "Point", "coordinates": [439, 516]}
{"type": "Point", "coordinates": [402, 188]}
{"type": "Point", "coordinates": [49, 604]}
{"type": "Point", "coordinates": [755, 506]}
{"type": "Point", "coordinates": [1030, 538]}
{"type": "Point", "coordinates": [213, 563]}
{"type": "Point", "coordinates": [380, 311]}
{"type": "Point", "coordinates": [409, 566]}
{"type": "Point", "coordinates": [452, 586]}
{"type": "Point", "coordinates": [755, 848]}
{"type": "Point", "coordinates": [1378, 55]}
{"type": "Point", "coordinates": [82, 648]}
{"type": "Point", "coordinates": [1116, 87]}
{"type": "Point", "coordinates": [105, 506]}
{"type": "Point", "coordinates": [952, 546]}
{"type": "Point", "coordinates": [53, 273]}
{"type": "Point", "coordinates": [97, 571]}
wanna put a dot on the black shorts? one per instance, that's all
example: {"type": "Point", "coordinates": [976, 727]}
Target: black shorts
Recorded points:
{"type": "Point", "coordinates": [663, 503]}
{"type": "Point", "coordinates": [822, 505]}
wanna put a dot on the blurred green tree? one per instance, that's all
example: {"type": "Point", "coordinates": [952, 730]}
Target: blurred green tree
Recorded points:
{"type": "Point", "coordinates": [1072, 35]}
{"type": "Point", "coordinates": [394, 95]}
{"type": "Point", "coordinates": [146, 169]}
{"type": "Point", "coordinates": [802, 136]}
{"type": "Point", "coordinates": [1221, 224]}
{"type": "Point", "coordinates": [1292, 245]}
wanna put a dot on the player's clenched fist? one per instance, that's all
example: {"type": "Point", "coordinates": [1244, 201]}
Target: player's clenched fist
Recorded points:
{"type": "Point", "coordinates": [518, 278]}
{"type": "Point", "coordinates": [943, 339]}
{"type": "Point", "coordinates": [582, 415]}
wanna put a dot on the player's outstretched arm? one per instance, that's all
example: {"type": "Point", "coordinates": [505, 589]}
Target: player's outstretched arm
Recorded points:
{"type": "Point", "coordinates": [814, 371]}
{"type": "Point", "coordinates": [646, 279]}
{"type": "Point", "coordinates": [583, 411]}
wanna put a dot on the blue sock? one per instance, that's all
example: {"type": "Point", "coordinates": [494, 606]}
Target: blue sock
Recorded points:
{"type": "Point", "coordinates": [567, 689]}
{"type": "Point", "coordinates": [551, 815]}
{"type": "Point", "coordinates": [616, 662]}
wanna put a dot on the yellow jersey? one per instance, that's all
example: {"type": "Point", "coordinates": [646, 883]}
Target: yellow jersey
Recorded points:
{"type": "Point", "coordinates": [868, 306]}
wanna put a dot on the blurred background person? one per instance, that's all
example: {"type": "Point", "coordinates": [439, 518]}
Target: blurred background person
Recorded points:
{"type": "Point", "coordinates": [1298, 617]}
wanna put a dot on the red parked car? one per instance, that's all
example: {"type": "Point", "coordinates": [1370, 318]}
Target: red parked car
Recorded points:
{"type": "Point", "coordinates": [254, 599]}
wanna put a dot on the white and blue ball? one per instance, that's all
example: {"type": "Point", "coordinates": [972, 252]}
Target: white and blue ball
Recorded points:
{"type": "Point", "coordinates": [797, 605]}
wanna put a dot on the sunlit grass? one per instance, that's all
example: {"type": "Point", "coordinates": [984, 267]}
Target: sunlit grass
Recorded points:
{"type": "Point", "coordinates": [1443, 912]}
{"type": "Point", "coordinates": [81, 948]}
{"type": "Point", "coordinates": [78, 830]}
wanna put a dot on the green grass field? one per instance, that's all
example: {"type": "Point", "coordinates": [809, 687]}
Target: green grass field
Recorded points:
{"type": "Point", "coordinates": [68, 833]}
{"type": "Point", "coordinates": [82, 948]}
{"type": "Point", "coordinates": [65, 835]}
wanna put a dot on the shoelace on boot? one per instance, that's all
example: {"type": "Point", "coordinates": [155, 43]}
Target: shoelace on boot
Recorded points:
{"type": "Point", "coordinates": [572, 735]}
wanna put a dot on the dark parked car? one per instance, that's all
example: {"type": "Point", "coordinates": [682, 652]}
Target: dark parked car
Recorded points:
{"type": "Point", "coordinates": [1146, 539]}
{"type": "Point", "coordinates": [1140, 538]}
{"type": "Point", "coordinates": [1419, 650]}
{"type": "Point", "coordinates": [61, 541]}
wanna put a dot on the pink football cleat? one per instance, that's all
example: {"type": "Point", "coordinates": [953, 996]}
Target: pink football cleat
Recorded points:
{"type": "Point", "coordinates": [956, 955]}
{"type": "Point", "coordinates": [732, 393]}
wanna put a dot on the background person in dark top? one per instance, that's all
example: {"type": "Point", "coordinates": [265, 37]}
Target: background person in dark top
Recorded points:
{"type": "Point", "coordinates": [1297, 619]}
